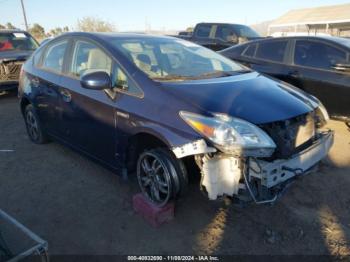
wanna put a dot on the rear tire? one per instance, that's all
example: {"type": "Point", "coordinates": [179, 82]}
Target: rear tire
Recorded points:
{"type": "Point", "coordinates": [34, 129]}
{"type": "Point", "coordinates": [161, 176]}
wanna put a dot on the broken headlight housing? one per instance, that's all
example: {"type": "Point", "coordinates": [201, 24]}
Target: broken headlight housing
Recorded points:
{"type": "Point", "coordinates": [232, 135]}
{"type": "Point", "coordinates": [322, 111]}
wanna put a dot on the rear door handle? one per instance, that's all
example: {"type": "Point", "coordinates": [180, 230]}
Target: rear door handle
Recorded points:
{"type": "Point", "coordinates": [66, 95]}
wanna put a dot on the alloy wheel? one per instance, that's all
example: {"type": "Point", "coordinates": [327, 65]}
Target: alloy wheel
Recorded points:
{"type": "Point", "coordinates": [32, 126]}
{"type": "Point", "coordinates": [154, 179]}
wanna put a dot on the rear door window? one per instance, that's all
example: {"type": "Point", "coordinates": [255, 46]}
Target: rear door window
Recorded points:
{"type": "Point", "coordinates": [273, 51]}
{"type": "Point", "coordinates": [203, 30]}
{"type": "Point", "coordinates": [318, 55]}
{"type": "Point", "coordinates": [54, 56]}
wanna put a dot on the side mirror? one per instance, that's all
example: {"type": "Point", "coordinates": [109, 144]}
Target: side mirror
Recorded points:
{"type": "Point", "coordinates": [96, 81]}
{"type": "Point", "coordinates": [342, 67]}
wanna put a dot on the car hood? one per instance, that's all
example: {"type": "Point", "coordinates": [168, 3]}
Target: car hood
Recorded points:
{"type": "Point", "coordinates": [250, 96]}
{"type": "Point", "coordinates": [14, 55]}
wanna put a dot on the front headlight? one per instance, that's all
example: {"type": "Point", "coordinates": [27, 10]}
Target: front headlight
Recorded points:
{"type": "Point", "coordinates": [232, 135]}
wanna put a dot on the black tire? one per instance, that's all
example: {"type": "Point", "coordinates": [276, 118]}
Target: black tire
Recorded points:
{"type": "Point", "coordinates": [172, 177]}
{"type": "Point", "coordinates": [33, 126]}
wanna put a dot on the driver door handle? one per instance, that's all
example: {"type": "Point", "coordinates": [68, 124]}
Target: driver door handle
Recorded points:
{"type": "Point", "coordinates": [66, 95]}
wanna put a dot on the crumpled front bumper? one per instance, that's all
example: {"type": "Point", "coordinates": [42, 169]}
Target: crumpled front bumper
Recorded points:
{"type": "Point", "coordinates": [278, 171]}
{"type": "Point", "coordinates": [240, 176]}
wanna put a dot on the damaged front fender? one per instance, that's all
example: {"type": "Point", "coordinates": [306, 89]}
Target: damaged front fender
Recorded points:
{"type": "Point", "coordinates": [197, 147]}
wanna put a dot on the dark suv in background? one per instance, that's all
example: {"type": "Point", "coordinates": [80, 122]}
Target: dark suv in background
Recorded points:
{"type": "Point", "coordinates": [318, 65]}
{"type": "Point", "coordinates": [15, 47]}
{"type": "Point", "coordinates": [218, 36]}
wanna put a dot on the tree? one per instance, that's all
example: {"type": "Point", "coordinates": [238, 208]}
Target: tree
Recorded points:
{"type": "Point", "coordinates": [58, 30]}
{"type": "Point", "coordinates": [37, 31]}
{"type": "Point", "coordinates": [91, 24]}
{"type": "Point", "coordinates": [10, 26]}
{"type": "Point", "coordinates": [2, 26]}
{"type": "Point", "coordinates": [189, 29]}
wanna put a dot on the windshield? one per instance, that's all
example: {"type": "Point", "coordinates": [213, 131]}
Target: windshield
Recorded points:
{"type": "Point", "coordinates": [17, 41]}
{"type": "Point", "coordinates": [175, 59]}
{"type": "Point", "coordinates": [245, 31]}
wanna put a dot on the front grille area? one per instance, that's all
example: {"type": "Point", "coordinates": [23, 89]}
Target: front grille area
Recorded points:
{"type": "Point", "coordinates": [292, 135]}
{"type": "Point", "coordinates": [10, 71]}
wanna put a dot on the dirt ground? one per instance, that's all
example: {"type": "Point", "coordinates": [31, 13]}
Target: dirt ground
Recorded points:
{"type": "Point", "coordinates": [81, 208]}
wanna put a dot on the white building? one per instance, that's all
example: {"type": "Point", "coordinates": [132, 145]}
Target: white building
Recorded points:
{"type": "Point", "coordinates": [332, 20]}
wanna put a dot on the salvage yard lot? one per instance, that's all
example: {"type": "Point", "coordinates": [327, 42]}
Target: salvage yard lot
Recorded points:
{"type": "Point", "coordinates": [81, 208]}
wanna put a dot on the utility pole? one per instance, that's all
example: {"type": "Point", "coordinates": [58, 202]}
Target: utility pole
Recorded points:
{"type": "Point", "coordinates": [24, 15]}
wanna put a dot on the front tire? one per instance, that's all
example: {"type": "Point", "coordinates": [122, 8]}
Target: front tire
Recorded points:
{"type": "Point", "coordinates": [161, 176]}
{"type": "Point", "coordinates": [33, 126]}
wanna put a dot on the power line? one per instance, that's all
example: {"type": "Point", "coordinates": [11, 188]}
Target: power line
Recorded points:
{"type": "Point", "coordinates": [24, 15]}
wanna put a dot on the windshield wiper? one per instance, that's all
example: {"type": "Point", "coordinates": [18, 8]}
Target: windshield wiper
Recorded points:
{"type": "Point", "coordinates": [217, 74]}
{"type": "Point", "coordinates": [214, 74]}
{"type": "Point", "coordinates": [171, 77]}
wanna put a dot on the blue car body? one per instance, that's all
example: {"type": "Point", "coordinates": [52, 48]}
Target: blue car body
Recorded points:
{"type": "Point", "coordinates": [106, 126]}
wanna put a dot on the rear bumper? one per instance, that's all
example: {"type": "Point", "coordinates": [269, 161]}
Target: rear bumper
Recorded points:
{"type": "Point", "coordinates": [8, 85]}
{"type": "Point", "coordinates": [276, 172]}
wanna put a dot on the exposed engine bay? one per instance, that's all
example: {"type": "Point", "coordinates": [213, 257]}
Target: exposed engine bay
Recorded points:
{"type": "Point", "coordinates": [10, 70]}
{"type": "Point", "coordinates": [300, 146]}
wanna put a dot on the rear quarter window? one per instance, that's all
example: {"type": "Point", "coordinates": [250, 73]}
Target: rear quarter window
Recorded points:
{"type": "Point", "coordinates": [273, 51]}
{"type": "Point", "coordinates": [250, 50]}
{"type": "Point", "coordinates": [54, 56]}
{"type": "Point", "coordinates": [233, 52]}
{"type": "Point", "coordinates": [37, 57]}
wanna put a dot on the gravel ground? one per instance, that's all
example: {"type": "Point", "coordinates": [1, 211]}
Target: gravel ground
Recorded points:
{"type": "Point", "coordinates": [81, 208]}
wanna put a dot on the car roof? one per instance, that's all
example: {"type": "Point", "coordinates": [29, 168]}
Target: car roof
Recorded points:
{"type": "Point", "coordinates": [339, 40]}
{"type": "Point", "coordinates": [112, 35]}
{"type": "Point", "coordinates": [207, 23]}
{"type": "Point", "coordinates": [13, 31]}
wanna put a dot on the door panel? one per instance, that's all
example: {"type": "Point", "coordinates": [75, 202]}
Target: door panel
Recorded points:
{"type": "Point", "coordinates": [47, 99]}
{"type": "Point", "coordinates": [313, 61]}
{"type": "Point", "coordinates": [332, 88]}
{"type": "Point", "coordinates": [46, 79]}
{"type": "Point", "coordinates": [88, 120]}
{"type": "Point", "coordinates": [87, 116]}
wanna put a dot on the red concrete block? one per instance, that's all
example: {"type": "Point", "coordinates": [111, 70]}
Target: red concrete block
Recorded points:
{"type": "Point", "coordinates": [155, 216]}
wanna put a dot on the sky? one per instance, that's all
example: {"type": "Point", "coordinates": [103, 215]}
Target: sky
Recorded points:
{"type": "Point", "coordinates": [137, 15]}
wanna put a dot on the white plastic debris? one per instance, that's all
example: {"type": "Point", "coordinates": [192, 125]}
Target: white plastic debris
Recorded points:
{"type": "Point", "coordinates": [221, 176]}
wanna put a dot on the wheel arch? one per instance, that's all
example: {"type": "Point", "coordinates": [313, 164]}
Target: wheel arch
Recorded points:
{"type": "Point", "coordinates": [24, 103]}
{"type": "Point", "coordinates": [140, 142]}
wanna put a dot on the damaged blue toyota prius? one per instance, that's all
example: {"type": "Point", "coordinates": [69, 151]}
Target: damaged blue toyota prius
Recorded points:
{"type": "Point", "coordinates": [150, 104]}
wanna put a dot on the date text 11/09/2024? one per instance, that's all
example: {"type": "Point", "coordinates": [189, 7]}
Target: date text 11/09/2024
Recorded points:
{"type": "Point", "coordinates": [173, 258]}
